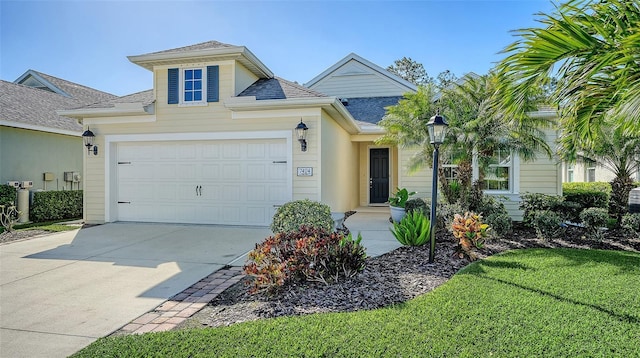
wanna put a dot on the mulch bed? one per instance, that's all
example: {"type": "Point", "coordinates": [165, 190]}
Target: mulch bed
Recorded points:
{"type": "Point", "coordinates": [389, 279]}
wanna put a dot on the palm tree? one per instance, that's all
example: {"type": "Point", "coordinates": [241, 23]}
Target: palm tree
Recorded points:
{"type": "Point", "coordinates": [594, 47]}
{"type": "Point", "coordinates": [479, 125]}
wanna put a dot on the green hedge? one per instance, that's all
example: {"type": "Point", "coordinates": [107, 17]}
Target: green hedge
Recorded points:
{"type": "Point", "coordinates": [595, 186]}
{"type": "Point", "coordinates": [56, 205]}
{"type": "Point", "coordinates": [7, 194]}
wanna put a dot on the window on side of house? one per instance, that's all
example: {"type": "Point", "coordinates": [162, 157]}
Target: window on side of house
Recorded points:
{"type": "Point", "coordinates": [591, 171]}
{"type": "Point", "coordinates": [448, 167]}
{"type": "Point", "coordinates": [497, 174]}
{"type": "Point", "coordinates": [570, 173]}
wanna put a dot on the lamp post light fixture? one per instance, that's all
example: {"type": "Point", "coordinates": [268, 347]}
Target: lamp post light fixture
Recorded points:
{"type": "Point", "coordinates": [437, 127]}
{"type": "Point", "coordinates": [88, 138]}
{"type": "Point", "coordinates": [301, 131]}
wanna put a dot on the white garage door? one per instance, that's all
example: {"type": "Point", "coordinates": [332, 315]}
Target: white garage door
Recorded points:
{"type": "Point", "coordinates": [233, 182]}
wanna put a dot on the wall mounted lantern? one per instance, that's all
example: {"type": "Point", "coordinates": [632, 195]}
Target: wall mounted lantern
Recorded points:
{"type": "Point", "coordinates": [437, 127]}
{"type": "Point", "coordinates": [88, 137]}
{"type": "Point", "coordinates": [301, 130]}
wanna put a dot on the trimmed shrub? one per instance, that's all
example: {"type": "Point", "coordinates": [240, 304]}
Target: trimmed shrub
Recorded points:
{"type": "Point", "coordinates": [295, 214]}
{"type": "Point", "coordinates": [417, 205]}
{"type": "Point", "coordinates": [56, 205]}
{"type": "Point", "coordinates": [548, 224]}
{"type": "Point", "coordinates": [587, 198]}
{"type": "Point", "coordinates": [309, 254]}
{"type": "Point", "coordinates": [593, 219]}
{"type": "Point", "coordinates": [495, 214]}
{"type": "Point", "coordinates": [7, 195]}
{"type": "Point", "coordinates": [413, 229]}
{"type": "Point", "coordinates": [532, 203]}
{"type": "Point", "coordinates": [602, 186]}
{"type": "Point", "coordinates": [631, 224]}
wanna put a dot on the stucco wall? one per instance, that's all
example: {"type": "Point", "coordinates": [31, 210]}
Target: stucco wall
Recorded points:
{"type": "Point", "coordinates": [339, 163]}
{"type": "Point", "coordinates": [27, 154]}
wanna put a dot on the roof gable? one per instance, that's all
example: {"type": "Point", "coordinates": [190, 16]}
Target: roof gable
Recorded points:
{"type": "Point", "coordinates": [80, 93]}
{"type": "Point", "coordinates": [353, 68]}
{"type": "Point", "coordinates": [203, 52]}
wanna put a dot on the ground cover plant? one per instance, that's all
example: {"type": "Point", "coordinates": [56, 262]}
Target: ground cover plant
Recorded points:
{"type": "Point", "coordinates": [533, 302]}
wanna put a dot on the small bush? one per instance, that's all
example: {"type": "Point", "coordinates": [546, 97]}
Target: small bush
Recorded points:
{"type": "Point", "coordinates": [309, 254]}
{"type": "Point", "coordinates": [532, 203]}
{"type": "Point", "coordinates": [7, 195]}
{"type": "Point", "coordinates": [601, 186]}
{"type": "Point", "coordinates": [593, 219]}
{"type": "Point", "coordinates": [56, 205]}
{"type": "Point", "coordinates": [548, 224]}
{"type": "Point", "coordinates": [446, 213]}
{"type": "Point", "coordinates": [470, 232]}
{"type": "Point", "coordinates": [569, 210]}
{"type": "Point", "coordinates": [495, 214]}
{"type": "Point", "coordinates": [295, 214]}
{"type": "Point", "coordinates": [631, 224]}
{"type": "Point", "coordinates": [413, 230]}
{"type": "Point", "coordinates": [400, 198]}
{"type": "Point", "coordinates": [417, 205]}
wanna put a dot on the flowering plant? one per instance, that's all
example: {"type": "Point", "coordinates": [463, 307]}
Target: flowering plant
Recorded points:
{"type": "Point", "coordinates": [470, 232]}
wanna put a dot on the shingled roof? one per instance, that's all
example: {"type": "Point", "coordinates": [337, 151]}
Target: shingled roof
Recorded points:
{"type": "Point", "coordinates": [144, 97]}
{"type": "Point", "coordinates": [278, 88]}
{"type": "Point", "coordinates": [201, 46]}
{"type": "Point", "coordinates": [369, 109]}
{"type": "Point", "coordinates": [35, 106]}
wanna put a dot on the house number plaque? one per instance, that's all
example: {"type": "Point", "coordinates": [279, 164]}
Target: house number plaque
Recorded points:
{"type": "Point", "coordinates": [305, 171]}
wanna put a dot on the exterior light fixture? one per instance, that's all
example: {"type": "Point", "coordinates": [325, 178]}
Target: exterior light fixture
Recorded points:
{"type": "Point", "coordinates": [437, 127]}
{"type": "Point", "coordinates": [301, 131]}
{"type": "Point", "coordinates": [88, 137]}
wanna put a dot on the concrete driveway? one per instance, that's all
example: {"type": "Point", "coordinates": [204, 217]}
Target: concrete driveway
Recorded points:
{"type": "Point", "coordinates": [61, 292]}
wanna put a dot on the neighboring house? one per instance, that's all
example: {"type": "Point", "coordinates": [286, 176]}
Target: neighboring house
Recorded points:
{"type": "Point", "coordinates": [37, 144]}
{"type": "Point", "coordinates": [589, 172]}
{"type": "Point", "coordinates": [214, 142]}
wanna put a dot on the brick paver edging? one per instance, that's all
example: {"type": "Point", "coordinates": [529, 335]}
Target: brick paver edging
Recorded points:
{"type": "Point", "coordinates": [185, 304]}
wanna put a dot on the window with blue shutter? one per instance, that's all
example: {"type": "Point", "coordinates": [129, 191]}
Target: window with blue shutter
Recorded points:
{"type": "Point", "coordinates": [187, 86]}
{"type": "Point", "coordinates": [213, 89]}
{"type": "Point", "coordinates": [173, 88]}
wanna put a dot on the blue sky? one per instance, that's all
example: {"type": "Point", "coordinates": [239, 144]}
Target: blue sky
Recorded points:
{"type": "Point", "coordinates": [87, 41]}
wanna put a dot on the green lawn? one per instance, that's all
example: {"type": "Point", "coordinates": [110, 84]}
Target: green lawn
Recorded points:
{"type": "Point", "coordinates": [525, 303]}
{"type": "Point", "coordinates": [51, 226]}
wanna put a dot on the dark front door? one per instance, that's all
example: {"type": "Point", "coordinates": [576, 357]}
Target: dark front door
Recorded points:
{"type": "Point", "coordinates": [378, 175]}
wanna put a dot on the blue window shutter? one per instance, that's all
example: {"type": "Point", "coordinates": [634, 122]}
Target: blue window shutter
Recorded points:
{"type": "Point", "coordinates": [174, 87]}
{"type": "Point", "coordinates": [213, 79]}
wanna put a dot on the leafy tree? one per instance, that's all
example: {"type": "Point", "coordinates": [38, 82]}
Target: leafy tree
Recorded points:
{"type": "Point", "coordinates": [445, 78]}
{"type": "Point", "coordinates": [594, 49]}
{"type": "Point", "coordinates": [411, 71]}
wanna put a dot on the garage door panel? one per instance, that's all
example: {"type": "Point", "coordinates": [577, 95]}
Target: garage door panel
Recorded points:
{"type": "Point", "coordinates": [235, 182]}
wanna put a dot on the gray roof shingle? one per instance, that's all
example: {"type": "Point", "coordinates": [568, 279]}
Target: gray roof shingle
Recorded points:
{"type": "Point", "coordinates": [278, 88]}
{"type": "Point", "coordinates": [144, 97]}
{"type": "Point", "coordinates": [35, 107]}
{"type": "Point", "coordinates": [201, 46]}
{"type": "Point", "coordinates": [370, 109]}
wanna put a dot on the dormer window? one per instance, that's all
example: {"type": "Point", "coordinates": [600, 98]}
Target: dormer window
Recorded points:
{"type": "Point", "coordinates": [193, 86]}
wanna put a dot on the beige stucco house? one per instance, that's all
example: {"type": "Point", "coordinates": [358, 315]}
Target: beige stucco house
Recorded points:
{"type": "Point", "coordinates": [214, 142]}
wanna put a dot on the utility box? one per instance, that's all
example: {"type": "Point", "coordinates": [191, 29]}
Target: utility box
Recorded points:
{"type": "Point", "coordinates": [14, 183]}
{"type": "Point", "coordinates": [26, 184]}
{"type": "Point", "coordinates": [634, 201]}
{"type": "Point", "coordinates": [73, 177]}
{"type": "Point", "coordinates": [48, 176]}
